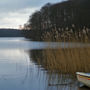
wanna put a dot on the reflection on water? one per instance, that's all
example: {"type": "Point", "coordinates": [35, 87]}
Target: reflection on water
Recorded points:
{"type": "Point", "coordinates": [28, 65]}
{"type": "Point", "coordinates": [61, 65]}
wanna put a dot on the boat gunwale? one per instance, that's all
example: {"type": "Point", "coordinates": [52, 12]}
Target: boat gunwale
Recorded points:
{"type": "Point", "coordinates": [83, 74]}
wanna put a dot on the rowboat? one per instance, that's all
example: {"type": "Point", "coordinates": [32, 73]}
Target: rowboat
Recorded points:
{"type": "Point", "coordinates": [83, 78]}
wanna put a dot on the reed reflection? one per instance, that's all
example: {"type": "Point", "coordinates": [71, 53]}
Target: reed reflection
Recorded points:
{"type": "Point", "coordinates": [61, 65]}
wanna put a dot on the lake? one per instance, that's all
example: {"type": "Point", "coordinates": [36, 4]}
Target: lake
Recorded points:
{"type": "Point", "coordinates": [31, 65]}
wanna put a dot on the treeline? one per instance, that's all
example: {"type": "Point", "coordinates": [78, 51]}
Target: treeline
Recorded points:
{"type": "Point", "coordinates": [71, 14]}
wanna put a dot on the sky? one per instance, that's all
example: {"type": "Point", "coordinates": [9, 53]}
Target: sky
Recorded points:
{"type": "Point", "coordinates": [14, 13]}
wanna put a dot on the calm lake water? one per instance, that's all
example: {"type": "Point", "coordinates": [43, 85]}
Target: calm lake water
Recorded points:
{"type": "Point", "coordinates": [19, 69]}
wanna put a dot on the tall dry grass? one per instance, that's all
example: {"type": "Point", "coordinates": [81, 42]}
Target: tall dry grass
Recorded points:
{"type": "Point", "coordinates": [67, 60]}
{"type": "Point", "coordinates": [63, 63]}
{"type": "Point", "coordinates": [67, 35]}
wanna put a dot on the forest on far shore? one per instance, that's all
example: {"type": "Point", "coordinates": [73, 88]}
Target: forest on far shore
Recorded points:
{"type": "Point", "coordinates": [65, 19]}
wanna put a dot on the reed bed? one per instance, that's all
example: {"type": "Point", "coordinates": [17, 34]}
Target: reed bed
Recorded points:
{"type": "Point", "coordinates": [67, 35]}
{"type": "Point", "coordinates": [63, 63]}
{"type": "Point", "coordinates": [67, 60]}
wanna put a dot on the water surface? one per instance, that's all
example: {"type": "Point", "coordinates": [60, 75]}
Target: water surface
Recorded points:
{"type": "Point", "coordinates": [19, 69]}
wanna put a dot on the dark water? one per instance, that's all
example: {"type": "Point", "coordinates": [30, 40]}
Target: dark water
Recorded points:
{"type": "Point", "coordinates": [19, 69]}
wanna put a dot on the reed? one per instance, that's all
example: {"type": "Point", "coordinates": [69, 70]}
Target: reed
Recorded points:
{"type": "Point", "coordinates": [67, 60]}
{"type": "Point", "coordinates": [63, 63]}
{"type": "Point", "coordinates": [67, 35]}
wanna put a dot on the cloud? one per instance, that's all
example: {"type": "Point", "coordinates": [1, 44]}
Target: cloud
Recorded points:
{"type": "Point", "coordinates": [10, 5]}
{"type": "Point", "coordinates": [16, 18]}
{"type": "Point", "coordinates": [16, 12]}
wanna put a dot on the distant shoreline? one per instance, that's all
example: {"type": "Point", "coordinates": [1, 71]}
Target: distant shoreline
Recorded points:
{"type": "Point", "coordinates": [11, 33]}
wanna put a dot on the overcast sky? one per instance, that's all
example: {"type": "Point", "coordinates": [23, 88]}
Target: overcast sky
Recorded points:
{"type": "Point", "coordinates": [16, 12]}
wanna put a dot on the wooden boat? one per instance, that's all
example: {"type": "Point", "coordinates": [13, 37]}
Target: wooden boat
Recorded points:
{"type": "Point", "coordinates": [83, 78]}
